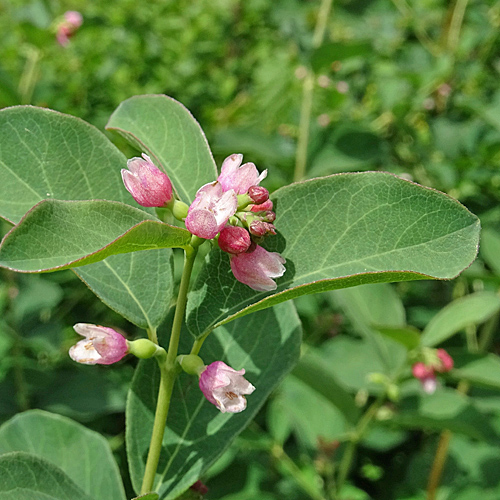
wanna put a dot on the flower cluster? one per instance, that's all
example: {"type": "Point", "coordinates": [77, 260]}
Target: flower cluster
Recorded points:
{"type": "Point", "coordinates": [238, 211]}
{"type": "Point", "coordinates": [426, 372]}
{"type": "Point", "coordinates": [69, 24]}
{"type": "Point", "coordinates": [234, 210]}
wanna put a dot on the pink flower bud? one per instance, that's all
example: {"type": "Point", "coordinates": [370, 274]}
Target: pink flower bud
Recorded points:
{"type": "Point", "coordinates": [234, 240]}
{"type": "Point", "coordinates": [68, 26]}
{"type": "Point", "coordinates": [270, 216]}
{"type": "Point", "coordinates": [258, 194]}
{"type": "Point", "coordinates": [260, 228]}
{"type": "Point", "coordinates": [74, 18]}
{"type": "Point", "coordinates": [149, 186]}
{"type": "Point", "coordinates": [263, 207]}
{"type": "Point", "coordinates": [256, 268]}
{"type": "Point", "coordinates": [237, 178]}
{"type": "Point", "coordinates": [225, 387]}
{"type": "Point", "coordinates": [210, 210]}
{"type": "Point", "coordinates": [421, 371]}
{"type": "Point", "coordinates": [446, 361]}
{"type": "Point", "coordinates": [426, 376]}
{"type": "Point", "coordinates": [199, 487]}
{"type": "Point", "coordinates": [102, 346]}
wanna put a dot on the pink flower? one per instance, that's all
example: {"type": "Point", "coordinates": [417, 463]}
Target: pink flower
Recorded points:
{"type": "Point", "coordinates": [73, 18]}
{"type": "Point", "coordinates": [240, 179]}
{"type": "Point", "coordinates": [225, 387]}
{"type": "Point", "coordinates": [256, 268]}
{"type": "Point", "coordinates": [149, 186]}
{"type": "Point", "coordinates": [426, 376]}
{"type": "Point", "coordinates": [234, 240]}
{"type": "Point", "coordinates": [210, 210]}
{"type": "Point", "coordinates": [446, 361]}
{"type": "Point", "coordinates": [102, 346]}
{"type": "Point", "coordinates": [68, 26]}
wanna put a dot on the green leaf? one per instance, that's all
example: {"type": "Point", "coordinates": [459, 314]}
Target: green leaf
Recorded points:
{"type": "Point", "coordinates": [445, 409]}
{"type": "Point", "coordinates": [26, 477]}
{"type": "Point", "coordinates": [82, 454]}
{"type": "Point", "coordinates": [139, 285]}
{"type": "Point", "coordinates": [368, 305]}
{"type": "Point", "coordinates": [63, 234]}
{"type": "Point", "coordinates": [490, 248]}
{"type": "Point", "coordinates": [45, 154]}
{"type": "Point", "coordinates": [266, 345]}
{"type": "Point", "coordinates": [478, 370]}
{"type": "Point", "coordinates": [168, 132]}
{"type": "Point", "coordinates": [341, 231]}
{"type": "Point", "coordinates": [470, 310]}
{"type": "Point", "coordinates": [407, 336]}
{"type": "Point", "coordinates": [315, 371]}
{"type": "Point", "coordinates": [147, 496]}
{"type": "Point", "coordinates": [324, 56]}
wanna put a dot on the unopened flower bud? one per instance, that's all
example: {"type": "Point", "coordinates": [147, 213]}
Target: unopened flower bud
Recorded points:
{"type": "Point", "coordinates": [258, 194]}
{"type": "Point", "coordinates": [260, 228]}
{"type": "Point", "coordinates": [191, 364]}
{"type": "Point", "coordinates": [446, 361]}
{"type": "Point", "coordinates": [234, 240]}
{"type": "Point", "coordinates": [102, 346]}
{"type": "Point", "coordinates": [270, 216]}
{"type": "Point", "coordinates": [149, 186]}
{"type": "Point", "coordinates": [144, 348]}
{"type": "Point", "coordinates": [263, 207]}
{"type": "Point", "coordinates": [179, 209]}
{"type": "Point", "coordinates": [225, 387]}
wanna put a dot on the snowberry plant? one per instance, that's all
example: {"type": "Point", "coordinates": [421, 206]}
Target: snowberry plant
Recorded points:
{"type": "Point", "coordinates": [208, 365]}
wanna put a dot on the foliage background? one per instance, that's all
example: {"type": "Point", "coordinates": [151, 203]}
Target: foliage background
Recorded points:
{"type": "Point", "coordinates": [407, 87]}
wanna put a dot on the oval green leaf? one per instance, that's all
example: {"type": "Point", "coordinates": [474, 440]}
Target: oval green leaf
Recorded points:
{"type": "Point", "coordinates": [130, 284]}
{"type": "Point", "coordinates": [48, 155]}
{"type": "Point", "coordinates": [168, 132]}
{"type": "Point", "coordinates": [82, 454]}
{"type": "Point", "coordinates": [64, 234]}
{"type": "Point", "coordinates": [341, 231]}
{"type": "Point", "coordinates": [26, 477]}
{"type": "Point", "coordinates": [472, 309]}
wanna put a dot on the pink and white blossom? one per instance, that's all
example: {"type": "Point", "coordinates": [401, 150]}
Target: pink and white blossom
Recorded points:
{"type": "Point", "coordinates": [68, 26]}
{"type": "Point", "coordinates": [225, 387]}
{"type": "Point", "coordinates": [102, 345]}
{"type": "Point", "coordinates": [149, 186]}
{"type": "Point", "coordinates": [210, 210]}
{"type": "Point", "coordinates": [257, 268]}
{"type": "Point", "coordinates": [426, 376]}
{"type": "Point", "coordinates": [237, 177]}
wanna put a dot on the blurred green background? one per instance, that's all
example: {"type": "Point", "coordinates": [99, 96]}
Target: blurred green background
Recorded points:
{"type": "Point", "coordinates": [406, 86]}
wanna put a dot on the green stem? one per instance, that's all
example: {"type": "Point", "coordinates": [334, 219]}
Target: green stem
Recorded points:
{"type": "Point", "coordinates": [307, 94]}
{"type": "Point", "coordinates": [152, 334]}
{"type": "Point", "coordinates": [199, 342]}
{"type": "Point", "coordinates": [457, 18]}
{"type": "Point", "coordinates": [356, 437]}
{"type": "Point", "coordinates": [291, 468]}
{"type": "Point", "coordinates": [168, 372]}
{"type": "Point", "coordinates": [29, 76]}
{"type": "Point", "coordinates": [438, 464]}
